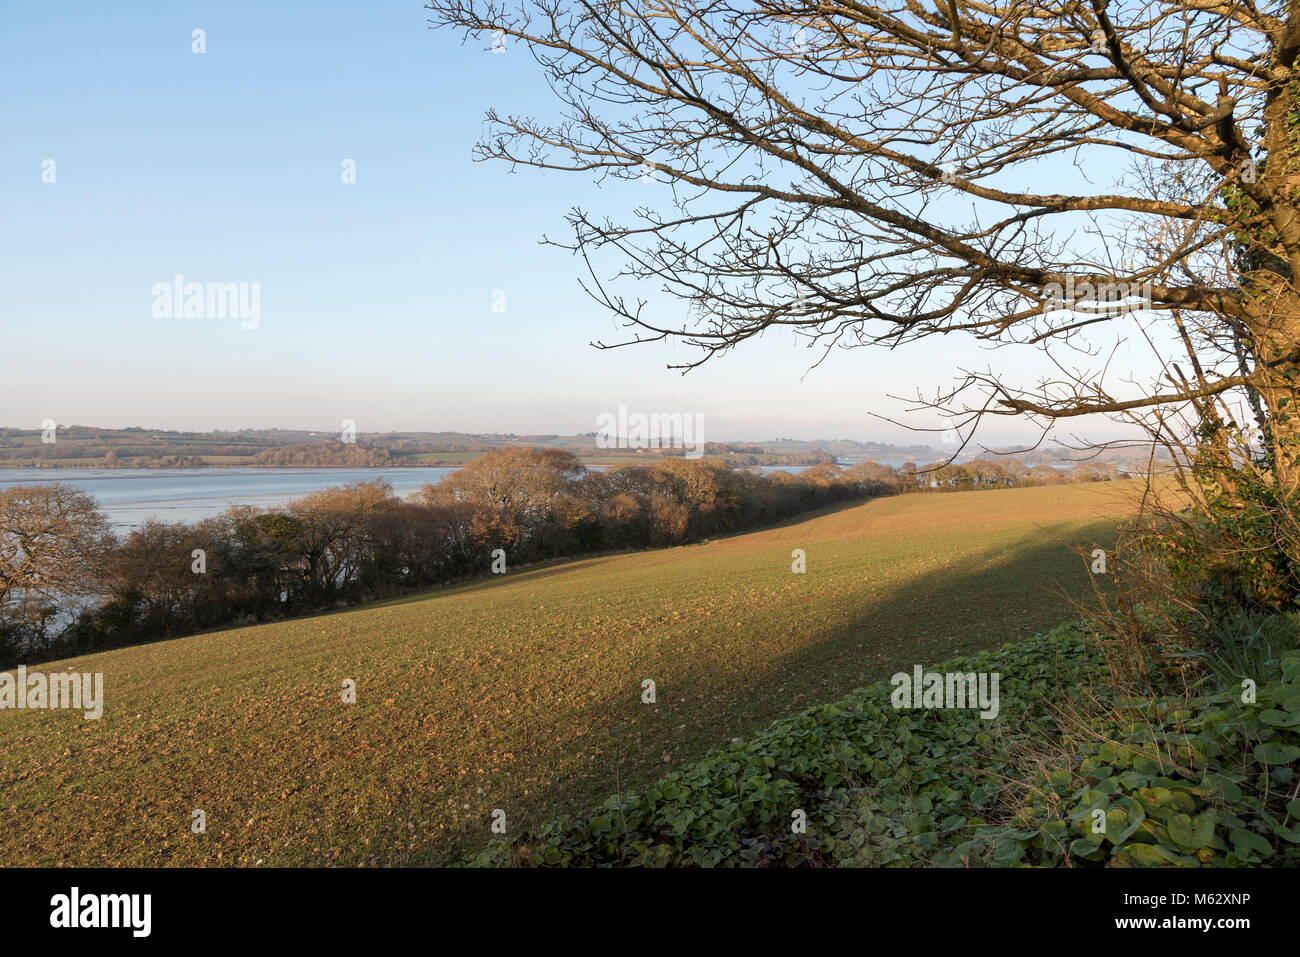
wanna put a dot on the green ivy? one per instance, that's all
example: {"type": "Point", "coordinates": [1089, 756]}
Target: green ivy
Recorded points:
{"type": "Point", "coordinates": [1178, 781]}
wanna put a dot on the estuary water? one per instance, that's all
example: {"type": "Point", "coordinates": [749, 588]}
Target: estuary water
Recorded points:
{"type": "Point", "coordinates": [130, 496]}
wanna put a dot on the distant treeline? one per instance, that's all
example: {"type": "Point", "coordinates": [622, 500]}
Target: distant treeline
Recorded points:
{"type": "Point", "coordinates": [743, 455]}
{"type": "Point", "coordinates": [361, 542]}
{"type": "Point", "coordinates": [985, 474]}
{"type": "Point", "coordinates": [85, 446]}
{"type": "Point", "coordinates": [81, 446]}
{"type": "Point", "coordinates": [326, 452]}
{"type": "Point", "coordinates": [329, 452]}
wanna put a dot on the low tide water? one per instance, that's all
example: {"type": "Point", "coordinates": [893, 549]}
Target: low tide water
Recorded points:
{"type": "Point", "coordinates": [130, 496]}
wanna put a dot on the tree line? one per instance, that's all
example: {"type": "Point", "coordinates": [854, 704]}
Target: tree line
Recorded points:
{"type": "Point", "coordinates": [69, 586]}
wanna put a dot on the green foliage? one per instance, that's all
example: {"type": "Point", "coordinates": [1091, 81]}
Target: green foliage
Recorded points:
{"type": "Point", "coordinates": [1159, 781]}
{"type": "Point", "coordinates": [1240, 645]}
{"type": "Point", "coordinates": [1241, 553]}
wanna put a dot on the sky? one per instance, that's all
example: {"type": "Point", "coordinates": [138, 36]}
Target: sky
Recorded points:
{"type": "Point", "coordinates": [376, 297]}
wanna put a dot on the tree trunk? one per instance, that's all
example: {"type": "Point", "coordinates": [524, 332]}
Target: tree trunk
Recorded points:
{"type": "Point", "coordinates": [1273, 300]}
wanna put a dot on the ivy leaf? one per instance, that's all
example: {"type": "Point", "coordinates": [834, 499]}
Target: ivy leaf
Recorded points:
{"type": "Point", "coordinates": [1190, 833]}
{"type": "Point", "coordinates": [1275, 752]}
{"type": "Point", "coordinates": [1245, 843]}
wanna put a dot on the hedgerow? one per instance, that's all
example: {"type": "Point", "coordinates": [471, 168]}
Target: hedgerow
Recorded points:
{"type": "Point", "coordinates": [1069, 773]}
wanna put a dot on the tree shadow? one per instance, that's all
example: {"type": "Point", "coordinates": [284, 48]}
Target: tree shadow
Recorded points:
{"type": "Point", "coordinates": [625, 745]}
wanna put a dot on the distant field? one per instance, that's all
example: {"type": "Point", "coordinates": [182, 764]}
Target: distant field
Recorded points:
{"type": "Point", "coordinates": [522, 692]}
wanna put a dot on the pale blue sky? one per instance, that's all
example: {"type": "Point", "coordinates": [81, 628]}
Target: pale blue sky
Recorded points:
{"type": "Point", "coordinates": [375, 297]}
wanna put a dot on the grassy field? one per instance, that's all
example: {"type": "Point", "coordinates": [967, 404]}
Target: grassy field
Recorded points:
{"type": "Point", "coordinates": [522, 692]}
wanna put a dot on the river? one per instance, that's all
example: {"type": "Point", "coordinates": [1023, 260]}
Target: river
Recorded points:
{"type": "Point", "coordinates": [130, 496]}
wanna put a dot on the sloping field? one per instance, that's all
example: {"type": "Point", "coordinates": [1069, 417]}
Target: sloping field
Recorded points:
{"type": "Point", "coordinates": [521, 692]}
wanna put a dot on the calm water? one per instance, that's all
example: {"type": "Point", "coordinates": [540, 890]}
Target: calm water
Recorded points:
{"type": "Point", "coordinates": [129, 496]}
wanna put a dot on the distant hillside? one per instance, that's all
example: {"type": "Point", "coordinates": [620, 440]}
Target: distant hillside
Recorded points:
{"type": "Point", "coordinates": [79, 446]}
{"type": "Point", "coordinates": [85, 446]}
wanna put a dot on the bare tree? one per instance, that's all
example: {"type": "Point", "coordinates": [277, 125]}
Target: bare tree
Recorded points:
{"type": "Point", "coordinates": [52, 542]}
{"type": "Point", "coordinates": [861, 173]}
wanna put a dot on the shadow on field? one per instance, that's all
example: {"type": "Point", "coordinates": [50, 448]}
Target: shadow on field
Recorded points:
{"type": "Point", "coordinates": [966, 607]}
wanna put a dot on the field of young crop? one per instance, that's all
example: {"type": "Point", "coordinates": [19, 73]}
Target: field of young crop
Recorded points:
{"type": "Point", "coordinates": [522, 692]}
